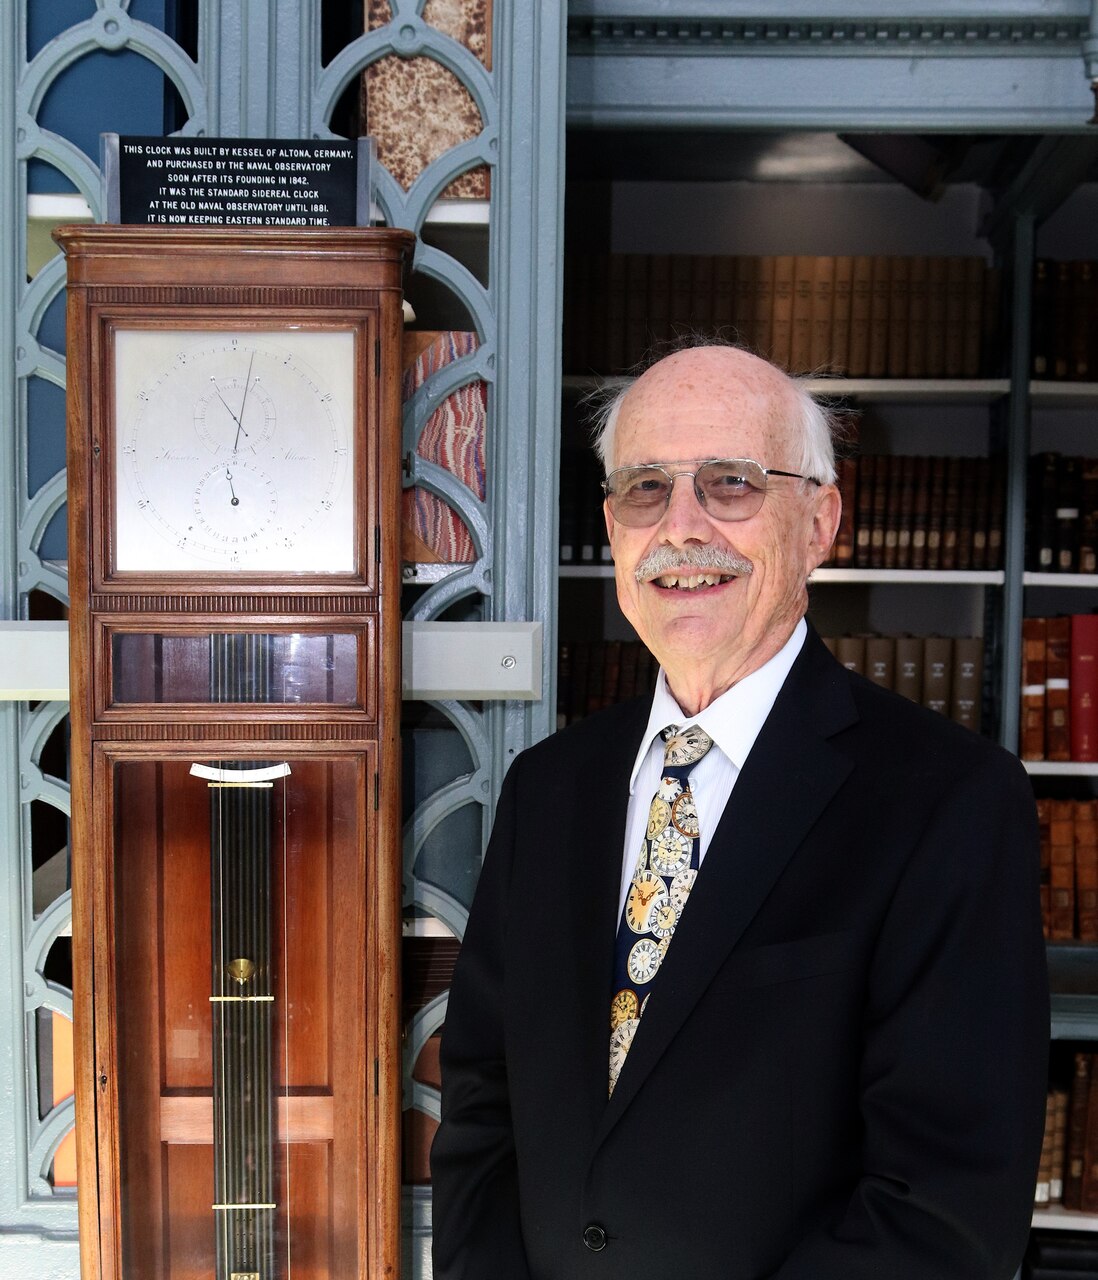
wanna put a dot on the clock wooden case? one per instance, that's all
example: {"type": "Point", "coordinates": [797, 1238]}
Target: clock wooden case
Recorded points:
{"type": "Point", "coordinates": [234, 461]}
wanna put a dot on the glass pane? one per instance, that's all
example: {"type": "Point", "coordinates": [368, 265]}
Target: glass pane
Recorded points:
{"type": "Point", "coordinates": [240, 978]}
{"type": "Point", "coordinates": [287, 668]}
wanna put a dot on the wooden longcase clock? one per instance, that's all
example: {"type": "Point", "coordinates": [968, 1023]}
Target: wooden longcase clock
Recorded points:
{"type": "Point", "coordinates": [234, 444]}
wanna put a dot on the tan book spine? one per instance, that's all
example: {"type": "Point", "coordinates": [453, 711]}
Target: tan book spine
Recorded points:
{"type": "Point", "coordinates": [843, 550]}
{"type": "Point", "coordinates": [841, 297]}
{"type": "Point", "coordinates": [1044, 1162]}
{"type": "Point", "coordinates": [955, 318]}
{"type": "Point", "coordinates": [917, 283]}
{"type": "Point", "coordinates": [909, 667]}
{"type": "Point", "coordinates": [1078, 1098]}
{"type": "Point", "coordinates": [764, 305]}
{"type": "Point", "coordinates": [850, 651]}
{"type": "Point", "coordinates": [800, 350]}
{"type": "Point", "coordinates": [1059, 1145]}
{"type": "Point", "coordinates": [936, 290]}
{"type": "Point", "coordinates": [823, 290]}
{"type": "Point", "coordinates": [861, 306]}
{"type": "Point", "coordinates": [974, 317]}
{"type": "Point", "coordinates": [937, 673]}
{"type": "Point", "coordinates": [880, 660]}
{"type": "Point", "coordinates": [898, 295]}
{"type": "Point", "coordinates": [966, 695]}
{"type": "Point", "coordinates": [743, 316]}
{"type": "Point", "coordinates": [782, 320]}
{"type": "Point", "coordinates": [878, 317]}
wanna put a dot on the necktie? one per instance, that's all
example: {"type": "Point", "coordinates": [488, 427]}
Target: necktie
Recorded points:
{"type": "Point", "coordinates": [664, 875]}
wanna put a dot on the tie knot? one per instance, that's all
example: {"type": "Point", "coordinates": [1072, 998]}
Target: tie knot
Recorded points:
{"type": "Point", "coordinates": [684, 747]}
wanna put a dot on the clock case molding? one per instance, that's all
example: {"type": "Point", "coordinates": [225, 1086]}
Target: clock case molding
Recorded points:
{"type": "Point", "coordinates": [138, 825]}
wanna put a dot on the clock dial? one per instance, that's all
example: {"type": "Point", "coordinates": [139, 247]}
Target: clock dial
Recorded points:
{"type": "Point", "coordinates": [234, 450]}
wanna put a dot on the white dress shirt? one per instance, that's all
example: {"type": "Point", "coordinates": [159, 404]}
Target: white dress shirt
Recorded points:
{"type": "Point", "coordinates": [733, 721]}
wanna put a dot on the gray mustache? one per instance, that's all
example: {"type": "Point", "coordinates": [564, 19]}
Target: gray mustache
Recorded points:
{"type": "Point", "coordinates": [663, 560]}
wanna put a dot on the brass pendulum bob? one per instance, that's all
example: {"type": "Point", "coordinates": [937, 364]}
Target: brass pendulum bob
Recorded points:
{"type": "Point", "coordinates": [240, 970]}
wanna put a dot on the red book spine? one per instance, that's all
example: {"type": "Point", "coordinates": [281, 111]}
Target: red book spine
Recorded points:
{"type": "Point", "coordinates": [1084, 687]}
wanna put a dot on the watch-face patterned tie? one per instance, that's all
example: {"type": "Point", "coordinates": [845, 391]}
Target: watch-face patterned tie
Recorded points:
{"type": "Point", "coordinates": [667, 864]}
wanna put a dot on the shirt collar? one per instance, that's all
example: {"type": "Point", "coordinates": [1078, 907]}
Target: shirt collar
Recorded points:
{"type": "Point", "coordinates": [734, 719]}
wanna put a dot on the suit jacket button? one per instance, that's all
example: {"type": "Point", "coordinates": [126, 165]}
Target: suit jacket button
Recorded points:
{"type": "Point", "coordinates": [594, 1237]}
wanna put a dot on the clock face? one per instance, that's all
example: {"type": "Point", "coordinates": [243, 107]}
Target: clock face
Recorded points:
{"type": "Point", "coordinates": [234, 450]}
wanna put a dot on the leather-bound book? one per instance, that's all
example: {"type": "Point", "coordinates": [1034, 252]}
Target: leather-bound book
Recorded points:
{"type": "Point", "coordinates": [637, 339]}
{"type": "Point", "coordinates": [842, 291]}
{"type": "Point", "coordinates": [981, 508]}
{"type": "Point", "coordinates": [1041, 503]}
{"type": "Point", "coordinates": [764, 305]}
{"type": "Point", "coordinates": [966, 512]}
{"type": "Point", "coordinates": [1034, 661]}
{"type": "Point", "coordinates": [892, 511]}
{"type": "Point", "coordinates": [995, 515]}
{"type": "Point", "coordinates": [966, 694]}
{"type": "Point", "coordinates": [701, 291]}
{"type": "Point", "coordinates": [1062, 878]}
{"type": "Point", "coordinates": [724, 294]}
{"type": "Point", "coordinates": [1081, 309]}
{"type": "Point", "coordinates": [955, 318]}
{"type": "Point", "coordinates": [564, 681]}
{"type": "Point", "coordinates": [1044, 1162]}
{"type": "Point", "coordinates": [936, 289]}
{"type": "Point", "coordinates": [917, 284]}
{"type": "Point", "coordinates": [781, 330]}
{"type": "Point", "coordinates": [743, 314]}
{"type": "Point", "coordinates": [1044, 824]}
{"type": "Point", "coordinates": [1084, 687]}
{"type": "Point", "coordinates": [823, 291]}
{"type": "Point", "coordinates": [1060, 363]}
{"type": "Point", "coordinates": [881, 478]}
{"type": "Point", "coordinates": [921, 515]}
{"type": "Point", "coordinates": [909, 667]}
{"type": "Point", "coordinates": [863, 526]}
{"type": "Point", "coordinates": [937, 673]}
{"type": "Point", "coordinates": [659, 298]}
{"type": "Point", "coordinates": [906, 517]}
{"type": "Point", "coordinates": [861, 304]}
{"type": "Point", "coordinates": [1086, 870]}
{"type": "Point", "coordinates": [1059, 1146]}
{"type": "Point", "coordinates": [898, 280]}
{"type": "Point", "coordinates": [1078, 1099]}
{"type": "Point", "coordinates": [682, 296]}
{"type": "Point", "coordinates": [1058, 688]}
{"type": "Point", "coordinates": [974, 317]}
{"type": "Point", "coordinates": [1088, 516]}
{"type": "Point", "coordinates": [936, 512]}
{"type": "Point", "coordinates": [878, 317]}
{"type": "Point", "coordinates": [880, 660]}
{"type": "Point", "coordinates": [850, 651]}
{"type": "Point", "coordinates": [951, 514]}
{"type": "Point", "coordinates": [800, 340]}
{"type": "Point", "coordinates": [1069, 500]}
{"type": "Point", "coordinates": [1041, 325]}
{"type": "Point", "coordinates": [842, 553]}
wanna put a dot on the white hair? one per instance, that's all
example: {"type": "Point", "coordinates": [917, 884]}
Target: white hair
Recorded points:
{"type": "Point", "coordinates": [814, 449]}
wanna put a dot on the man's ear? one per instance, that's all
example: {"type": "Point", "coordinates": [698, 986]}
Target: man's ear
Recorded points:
{"type": "Point", "coordinates": [609, 522]}
{"type": "Point", "coordinates": [825, 524]}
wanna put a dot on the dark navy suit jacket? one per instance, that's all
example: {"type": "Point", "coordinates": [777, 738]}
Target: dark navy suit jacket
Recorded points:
{"type": "Point", "coordinates": [841, 1071]}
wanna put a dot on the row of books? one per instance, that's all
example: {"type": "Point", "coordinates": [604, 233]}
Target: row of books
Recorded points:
{"type": "Point", "coordinates": [1069, 869]}
{"type": "Point", "coordinates": [872, 316]}
{"type": "Point", "coordinates": [1065, 319]}
{"type": "Point", "coordinates": [944, 673]}
{"type": "Point", "coordinates": [1059, 715]}
{"type": "Point", "coordinates": [902, 511]}
{"type": "Point", "coordinates": [1062, 513]}
{"type": "Point", "coordinates": [1068, 1172]}
{"type": "Point", "coordinates": [593, 674]}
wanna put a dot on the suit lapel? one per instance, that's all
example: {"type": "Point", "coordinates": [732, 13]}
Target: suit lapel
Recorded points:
{"type": "Point", "coordinates": [790, 776]}
{"type": "Point", "coordinates": [598, 837]}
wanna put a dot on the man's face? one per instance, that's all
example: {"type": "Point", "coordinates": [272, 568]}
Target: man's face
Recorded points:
{"type": "Point", "coordinates": [706, 403]}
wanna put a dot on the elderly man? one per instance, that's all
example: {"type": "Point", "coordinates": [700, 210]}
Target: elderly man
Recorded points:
{"type": "Point", "coordinates": [753, 985]}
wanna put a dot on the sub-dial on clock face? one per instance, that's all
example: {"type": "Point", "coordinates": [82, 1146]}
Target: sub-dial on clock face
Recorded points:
{"type": "Point", "coordinates": [234, 450]}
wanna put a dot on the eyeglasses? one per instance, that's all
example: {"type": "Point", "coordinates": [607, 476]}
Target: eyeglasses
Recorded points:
{"type": "Point", "coordinates": [728, 489]}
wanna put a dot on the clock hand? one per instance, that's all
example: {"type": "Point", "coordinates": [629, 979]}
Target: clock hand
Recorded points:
{"type": "Point", "coordinates": [243, 402]}
{"type": "Point", "coordinates": [234, 501]}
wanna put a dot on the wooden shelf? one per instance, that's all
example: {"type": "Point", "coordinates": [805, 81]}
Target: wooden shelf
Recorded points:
{"type": "Point", "coordinates": [1073, 580]}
